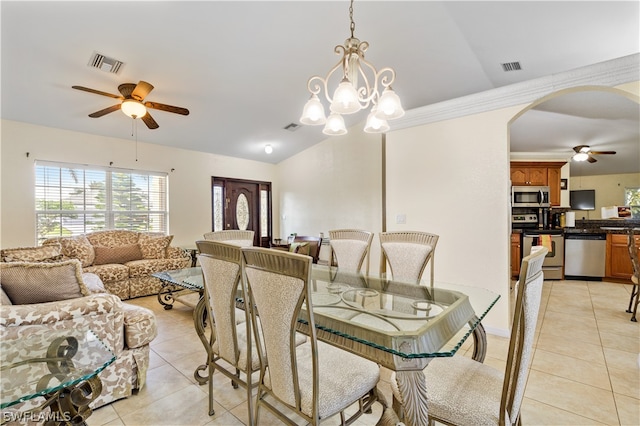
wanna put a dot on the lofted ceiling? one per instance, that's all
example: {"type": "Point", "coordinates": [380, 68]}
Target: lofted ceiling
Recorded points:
{"type": "Point", "coordinates": [241, 67]}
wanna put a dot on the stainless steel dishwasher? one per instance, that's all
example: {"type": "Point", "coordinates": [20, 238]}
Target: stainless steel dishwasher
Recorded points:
{"type": "Point", "coordinates": [585, 256]}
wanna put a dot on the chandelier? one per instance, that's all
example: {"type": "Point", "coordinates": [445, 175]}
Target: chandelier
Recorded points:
{"type": "Point", "coordinates": [361, 87]}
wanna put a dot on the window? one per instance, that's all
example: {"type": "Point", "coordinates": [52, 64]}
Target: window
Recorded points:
{"type": "Point", "coordinates": [632, 196]}
{"type": "Point", "coordinates": [74, 199]}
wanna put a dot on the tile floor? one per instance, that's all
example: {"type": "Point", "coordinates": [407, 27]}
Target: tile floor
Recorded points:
{"type": "Point", "coordinates": [585, 369]}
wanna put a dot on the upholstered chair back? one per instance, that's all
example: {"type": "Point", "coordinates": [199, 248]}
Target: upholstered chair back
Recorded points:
{"type": "Point", "coordinates": [350, 247]}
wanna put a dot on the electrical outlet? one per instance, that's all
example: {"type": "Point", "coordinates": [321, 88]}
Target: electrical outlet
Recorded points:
{"type": "Point", "coordinates": [401, 219]}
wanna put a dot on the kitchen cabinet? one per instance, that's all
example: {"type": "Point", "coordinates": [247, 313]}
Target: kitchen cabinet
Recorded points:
{"type": "Point", "coordinates": [539, 173]}
{"type": "Point", "coordinates": [515, 254]}
{"type": "Point", "coordinates": [534, 176]}
{"type": "Point", "coordinates": [618, 265]}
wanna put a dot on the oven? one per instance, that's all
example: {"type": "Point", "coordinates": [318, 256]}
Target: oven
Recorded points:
{"type": "Point", "coordinates": [554, 260]}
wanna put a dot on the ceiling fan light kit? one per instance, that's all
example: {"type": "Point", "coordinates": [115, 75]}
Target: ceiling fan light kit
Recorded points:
{"type": "Point", "coordinates": [133, 108]}
{"type": "Point", "coordinates": [350, 97]}
{"type": "Point", "coordinates": [133, 104]}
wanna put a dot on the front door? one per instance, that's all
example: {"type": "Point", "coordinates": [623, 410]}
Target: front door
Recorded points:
{"type": "Point", "coordinates": [243, 204]}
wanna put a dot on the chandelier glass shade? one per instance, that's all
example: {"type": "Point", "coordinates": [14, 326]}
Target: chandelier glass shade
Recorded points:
{"type": "Point", "coordinates": [133, 108]}
{"type": "Point", "coordinates": [361, 86]}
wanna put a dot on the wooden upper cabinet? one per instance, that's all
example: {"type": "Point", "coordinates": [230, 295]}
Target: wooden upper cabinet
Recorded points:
{"type": "Point", "coordinates": [538, 173]}
{"type": "Point", "coordinates": [535, 176]}
{"type": "Point", "coordinates": [553, 180]}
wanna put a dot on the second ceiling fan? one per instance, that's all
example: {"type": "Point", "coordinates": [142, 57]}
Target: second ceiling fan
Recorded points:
{"type": "Point", "coordinates": [132, 96]}
{"type": "Point", "coordinates": [584, 153]}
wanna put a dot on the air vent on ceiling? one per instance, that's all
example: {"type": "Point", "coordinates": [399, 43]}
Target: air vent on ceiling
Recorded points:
{"type": "Point", "coordinates": [511, 66]}
{"type": "Point", "coordinates": [292, 127]}
{"type": "Point", "coordinates": [104, 63]}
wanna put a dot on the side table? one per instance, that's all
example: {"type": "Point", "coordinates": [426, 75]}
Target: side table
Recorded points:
{"type": "Point", "coordinates": [60, 365]}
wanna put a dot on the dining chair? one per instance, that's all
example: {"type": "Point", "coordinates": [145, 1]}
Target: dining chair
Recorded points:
{"type": "Point", "coordinates": [466, 392]}
{"type": "Point", "coordinates": [313, 380]}
{"type": "Point", "coordinates": [407, 253]}
{"type": "Point", "coordinates": [635, 276]}
{"type": "Point", "coordinates": [229, 352]}
{"type": "Point", "coordinates": [350, 248]}
{"type": "Point", "coordinates": [237, 237]}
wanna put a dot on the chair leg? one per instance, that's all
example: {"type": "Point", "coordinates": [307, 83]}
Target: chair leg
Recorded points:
{"type": "Point", "coordinates": [635, 307]}
{"type": "Point", "coordinates": [634, 292]}
{"type": "Point", "coordinates": [211, 410]}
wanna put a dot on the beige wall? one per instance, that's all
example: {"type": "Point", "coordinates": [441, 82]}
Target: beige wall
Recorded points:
{"type": "Point", "coordinates": [335, 184]}
{"type": "Point", "coordinates": [609, 190]}
{"type": "Point", "coordinates": [189, 183]}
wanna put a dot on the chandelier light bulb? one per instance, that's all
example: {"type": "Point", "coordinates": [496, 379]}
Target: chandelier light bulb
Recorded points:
{"type": "Point", "coordinates": [268, 149]}
{"type": "Point", "coordinates": [335, 125]}
{"type": "Point", "coordinates": [374, 124]}
{"type": "Point", "coordinates": [389, 106]}
{"type": "Point", "coordinates": [313, 112]}
{"type": "Point", "coordinates": [345, 99]}
{"type": "Point", "coordinates": [133, 108]}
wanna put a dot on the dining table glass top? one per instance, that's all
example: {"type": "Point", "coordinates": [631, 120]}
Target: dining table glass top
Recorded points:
{"type": "Point", "coordinates": [407, 320]}
{"type": "Point", "coordinates": [45, 361]}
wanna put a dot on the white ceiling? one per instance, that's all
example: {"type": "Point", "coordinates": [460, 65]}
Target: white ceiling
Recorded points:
{"type": "Point", "coordinates": [241, 68]}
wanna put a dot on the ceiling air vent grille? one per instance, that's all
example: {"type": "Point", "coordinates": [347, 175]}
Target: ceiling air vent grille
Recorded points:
{"type": "Point", "coordinates": [292, 127]}
{"type": "Point", "coordinates": [104, 63]}
{"type": "Point", "coordinates": [511, 66]}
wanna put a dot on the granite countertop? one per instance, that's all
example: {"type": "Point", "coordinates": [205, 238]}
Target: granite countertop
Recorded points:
{"type": "Point", "coordinates": [598, 226]}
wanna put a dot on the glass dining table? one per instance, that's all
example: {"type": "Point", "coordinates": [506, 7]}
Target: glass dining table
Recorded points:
{"type": "Point", "coordinates": [401, 326]}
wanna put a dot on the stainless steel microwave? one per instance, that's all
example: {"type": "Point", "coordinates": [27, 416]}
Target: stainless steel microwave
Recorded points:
{"type": "Point", "coordinates": [530, 196]}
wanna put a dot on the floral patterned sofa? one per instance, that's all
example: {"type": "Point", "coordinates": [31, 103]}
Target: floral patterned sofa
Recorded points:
{"type": "Point", "coordinates": [124, 260]}
{"type": "Point", "coordinates": [38, 297]}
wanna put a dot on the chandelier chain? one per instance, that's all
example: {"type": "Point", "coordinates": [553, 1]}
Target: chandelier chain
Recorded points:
{"type": "Point", "coordinates": [353, 24]}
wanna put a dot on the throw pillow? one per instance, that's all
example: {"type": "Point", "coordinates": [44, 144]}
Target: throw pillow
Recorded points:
{"type": "Point", "coordinates": [121, 254]}
{"type": "Point", "coordinates": [48, 253]}
{"type": "Point", "coordinates": [79, 248]}
{"type": "Point", "coordinates": [300, 248]}
{"type": "Point", "coordinates": [27, 283]}
{"type": "Point", "coordinates": [93, 282]}
{"type": "Point", "coordinates": [154, 247]}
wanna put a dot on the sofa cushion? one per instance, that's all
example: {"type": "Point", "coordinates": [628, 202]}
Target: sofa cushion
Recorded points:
{"type": "Point", "coordinates": [27, 283]}
{"type": "Point", "coordinates": [119, 254]}
{"type": "Point", "coordinates": [77, 247]}
{"type": "Point", "coordinates": [113, 237]}
{"type": "Point", "coordinates": [154, 247]}
{"type": "Point", "coordinates": [48, 253]}
{"type": "Point", "coordinates": [109, 272]}
{"type": "Point", "coordinates": [142, 268]}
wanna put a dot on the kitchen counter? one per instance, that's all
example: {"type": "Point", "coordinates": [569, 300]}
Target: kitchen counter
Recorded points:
{"type": "Point", "coordinates": [597, 226]}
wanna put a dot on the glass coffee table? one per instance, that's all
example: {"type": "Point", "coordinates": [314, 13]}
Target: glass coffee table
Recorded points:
{"type": "Point", "coordinates": [61, 366]}
{"type": "Point", "coordinates": [178, 285]}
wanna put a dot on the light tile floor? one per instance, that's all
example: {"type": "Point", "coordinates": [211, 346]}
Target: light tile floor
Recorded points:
{"type": "Point", "coordinates": [585, 369]}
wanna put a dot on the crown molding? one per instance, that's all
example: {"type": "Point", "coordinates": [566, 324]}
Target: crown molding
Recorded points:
{"type": "Point", "coordinates": [609, 74]}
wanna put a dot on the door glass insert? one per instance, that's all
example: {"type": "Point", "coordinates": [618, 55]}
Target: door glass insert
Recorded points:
{"type": "Point", "coordinates": [217, 208]}
{"type": "Point", "coordinates": [264, 213]}
{"type": "Point", "coordinates": [242, 212]}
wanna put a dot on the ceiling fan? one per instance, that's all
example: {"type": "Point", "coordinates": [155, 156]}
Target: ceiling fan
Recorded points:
{"type": "Point", "coordinates": [584, 153]}
{"type": "Point", "coordinates": [132, 96]}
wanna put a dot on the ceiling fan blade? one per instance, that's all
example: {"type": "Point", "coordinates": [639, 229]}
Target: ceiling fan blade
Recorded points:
{"type": "Point", "coordinates": [168, 108]}
{"type": "Point", "coordinates": [591, 159]}
{"type": "Point", "coordinates": [97, 92]}
{"type": "Point", "coordinates": [580, 147]}
{"type": "Point", "coordinates": [602, 152]}
{"type": "Point", "coordinates": [141, 90]}
{"type": "Point", "coordinates": [149, 121]}
{"type": "Point", "coordinates": [105, 111]}
{"type": "Point", "coordinates": [126, 89]}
